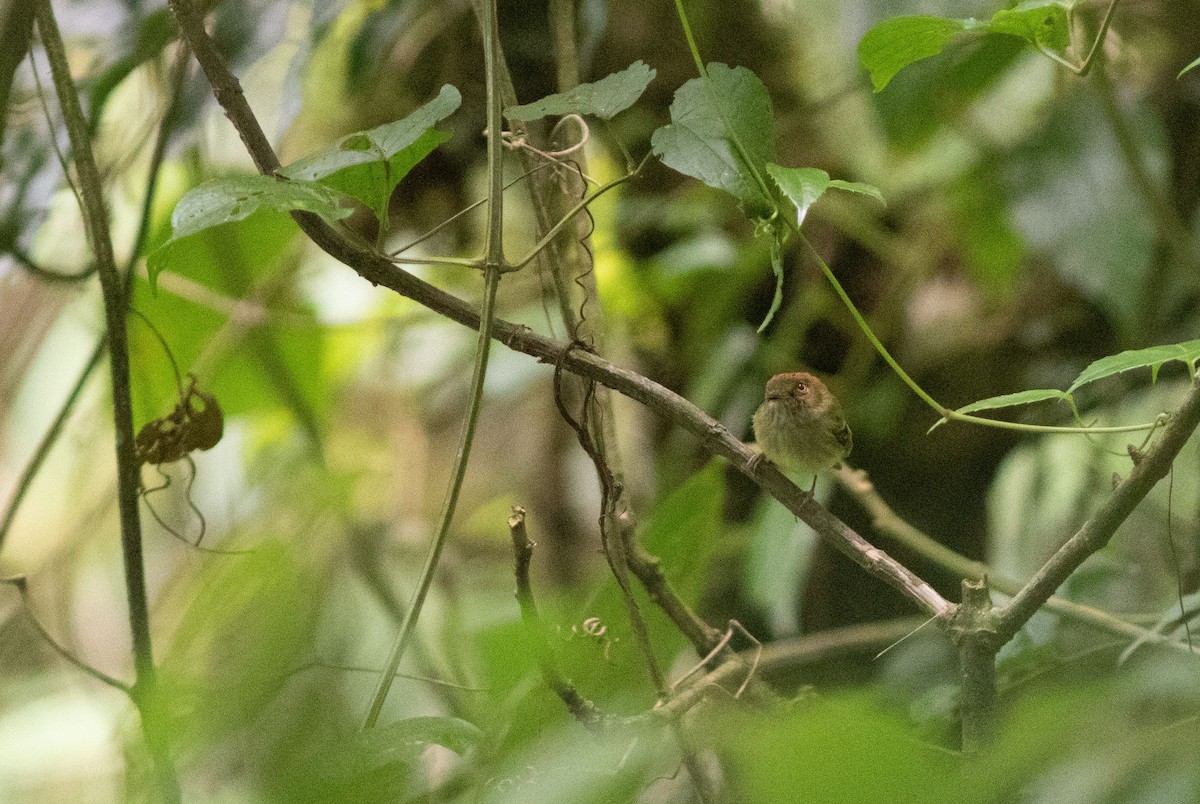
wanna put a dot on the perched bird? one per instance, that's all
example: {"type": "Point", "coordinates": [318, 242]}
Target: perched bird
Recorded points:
{"type": "Point", "coordinates": [800, 426]}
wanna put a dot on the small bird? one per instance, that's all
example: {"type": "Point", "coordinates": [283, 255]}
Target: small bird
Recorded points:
{"type": "Point", "coordinates": [800, 426]}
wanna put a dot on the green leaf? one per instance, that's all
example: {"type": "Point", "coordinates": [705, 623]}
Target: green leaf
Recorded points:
{"type": "Point", "coordinates": [805, 186]}
{"type": "Point", "coordinates": [1154, 357]}
{"type": "Point", "coordinates": [1040, 22]}
{"type": "Point", "coordinates": [235, 198]}
{"type": "Point", "coordinates": [368, 165]}
{"type": "Point", "coordinates": [862, 188]}
{"type": "Point", "coordinates": [604, 98]}
{"type": "Point", "coordinates": [1019, 398]}
{"type": "Point", "coordinates": [699, 141]}
{"type": "Point", "coordinates": [1190, 67]}
{"type": "Point", "coordinates": [802, 186]}
{"type": "Point", "coordinates": [895, 43]}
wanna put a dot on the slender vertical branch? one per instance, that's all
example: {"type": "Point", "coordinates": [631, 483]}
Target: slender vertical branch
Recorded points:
{"type": "Point", "coordinates": [96, 222]}
{"type": "Point", "coordinates": [494, 249]}
{"type": "Point", "coordinates": [494, 267]}
{"type": "Point", "coordinates": [407, 625]}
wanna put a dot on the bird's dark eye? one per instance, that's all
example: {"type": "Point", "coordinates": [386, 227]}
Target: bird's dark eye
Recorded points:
{"type": "Point", "coordinates": [801, 387]}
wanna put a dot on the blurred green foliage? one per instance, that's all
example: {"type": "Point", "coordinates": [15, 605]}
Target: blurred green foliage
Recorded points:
{"type": "Point", "coordinates": [1036, 223]}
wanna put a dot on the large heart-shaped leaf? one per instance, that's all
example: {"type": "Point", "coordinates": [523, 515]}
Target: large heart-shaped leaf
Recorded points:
{"type": "Point", "coordinates": [709, 117]}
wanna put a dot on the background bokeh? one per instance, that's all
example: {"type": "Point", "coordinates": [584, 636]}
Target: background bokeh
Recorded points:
{"type": "Point", "coordinates": [1035, 221]}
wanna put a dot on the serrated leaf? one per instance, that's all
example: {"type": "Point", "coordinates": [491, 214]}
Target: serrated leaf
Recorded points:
{"type": "Point", "coordinates": [368, 165]}
{"type": "Point", "coordinates": [895, 43]}
{"type": "Point", "coordinates": [238, 197]}
{"type": "Point", "coordinates": [697, 142]}
{"type": "Point", "coordinates": [1152, 357]}
{"type": "Point", "coordinates": [1018, 398]}
{"type": "Point", "coordinates": [366, 146]}
{"type": "Point", "coordinates": [235, 198]}
{"type": "Point", "coordinates": [604, 98]}
{"type": "Point", "coordinates": [1190, 67]}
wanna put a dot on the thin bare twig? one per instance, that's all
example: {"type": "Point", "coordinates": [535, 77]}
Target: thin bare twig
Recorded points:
{"type": "Point", "coordinates": [584, 710]}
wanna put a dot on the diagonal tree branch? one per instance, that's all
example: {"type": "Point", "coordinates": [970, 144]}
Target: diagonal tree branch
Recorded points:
{"type": "Point", "coordinates": [714, 436]}
{"type": "Point", "coordinates": [889, 523]}
{"type": "Point", "coordinates": [1148, 469]}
